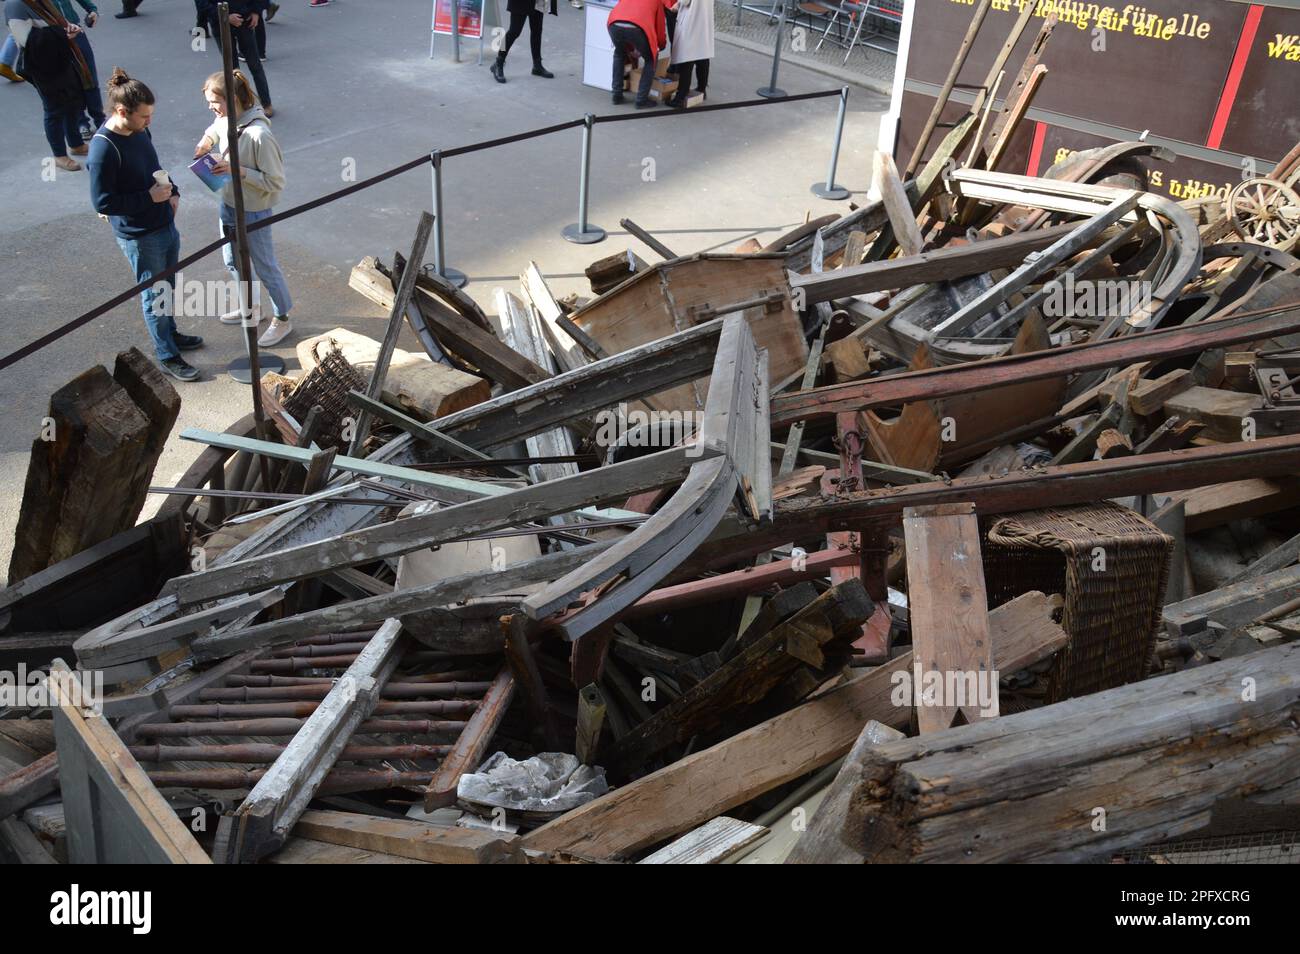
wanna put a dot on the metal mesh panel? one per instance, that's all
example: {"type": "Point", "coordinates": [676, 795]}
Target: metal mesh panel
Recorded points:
{"type": "Point", "coordinates": [328, 385]}
{"type": "Point", "coordinates": [1260, 848]}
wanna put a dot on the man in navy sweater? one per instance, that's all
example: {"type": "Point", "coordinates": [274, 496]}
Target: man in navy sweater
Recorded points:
{"type": "Point", "coordinates": [142, 208]}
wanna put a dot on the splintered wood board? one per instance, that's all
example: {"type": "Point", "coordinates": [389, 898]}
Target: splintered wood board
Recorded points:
{"type": "Point", "coordinates": [658, 302]}
{"type": "Point", "coordinates": [949, 605]}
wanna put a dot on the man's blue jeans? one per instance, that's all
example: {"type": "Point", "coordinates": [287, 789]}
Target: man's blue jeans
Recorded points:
{"type": "Point", "coordinates": [150, 254]}
{"type": "Point", "coordinates": [262, 254]}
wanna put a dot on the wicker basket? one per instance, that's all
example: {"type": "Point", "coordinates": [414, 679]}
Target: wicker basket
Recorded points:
{"type": "Point", "coordinates": [1111, 566]}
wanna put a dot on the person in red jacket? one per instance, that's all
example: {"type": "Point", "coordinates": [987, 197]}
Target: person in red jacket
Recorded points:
{"type": "Point", "coordinates": [637, 26]}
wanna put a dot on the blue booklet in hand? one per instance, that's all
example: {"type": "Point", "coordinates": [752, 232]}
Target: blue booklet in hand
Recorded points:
{"type": "Point", "coordinates": [202, 167]}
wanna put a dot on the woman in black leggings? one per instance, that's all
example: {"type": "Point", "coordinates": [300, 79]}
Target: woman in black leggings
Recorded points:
{"type": "Point", "coordinates": [521, 12]}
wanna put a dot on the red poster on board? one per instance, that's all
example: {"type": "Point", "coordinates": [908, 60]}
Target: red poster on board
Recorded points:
{"type": "Point", "coordinates": [471, 18]}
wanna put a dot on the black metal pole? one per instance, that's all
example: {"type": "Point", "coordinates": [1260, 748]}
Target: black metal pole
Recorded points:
{"type": "Point", "coordinates": [243, 262]}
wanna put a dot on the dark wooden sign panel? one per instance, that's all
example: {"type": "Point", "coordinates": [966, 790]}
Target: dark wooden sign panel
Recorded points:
{"type": "Point", "coordinates": [1214, 79]}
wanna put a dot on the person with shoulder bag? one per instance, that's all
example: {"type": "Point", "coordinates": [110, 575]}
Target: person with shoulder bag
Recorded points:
{"type": "Point", "coordinates": [50, 60]}
{"type": "Point", "coordinates": [261, 169]}
{"type": "Point", "coordinates": [129, 185]}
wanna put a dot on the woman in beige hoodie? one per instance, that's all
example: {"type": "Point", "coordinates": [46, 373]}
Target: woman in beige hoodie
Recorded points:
{"type": "Point", "coordinates": [261, 170]}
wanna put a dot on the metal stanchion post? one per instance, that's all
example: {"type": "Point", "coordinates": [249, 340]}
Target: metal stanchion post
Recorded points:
{"type": "Point", "coordinates": [455, 276]}
{"type": "Point", "coordinates": [582, 232]}
{"type": "Point", "coordinates": [828, 189]}
{"type": "Point", "coordinates": [771, 90]}
{"type": "Point", "coordinates": [455, 31]}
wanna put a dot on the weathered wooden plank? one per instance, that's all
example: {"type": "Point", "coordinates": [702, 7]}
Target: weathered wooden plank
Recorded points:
{"type": "Point", "coordinates": [933, 266]}
{"type": "Point", "coordinates": [28, 784]}
{"type": "Point", "coordinates": [886, 182]}
{"type": "Point", "coordinates": [1233, 605]}
{"type": "Point", "coordinates": [104, 646]}
{"type": "Point", "coordinates": [643, 370]}
{"type": "Point", "coordinates": [710, 844]}
{"type": "Point", "coordinates": [494, 358]}
{"type": "Point", "coordinates": [705, 784]}
{"type": "Point", "coordinates": [948, 608]}
{"type": "Point", "coordinates": [264, 819]}
{"type": "Point", "coordinates": [499, 508]}
{"type": "Point", "coordinates": [821, 843]}
{"type": "Point", "coordinates": [114, 813]}
{"type": "Point", "coordinates": [407, 838]}
{"type": "Point", "coordinates": [473, 742]}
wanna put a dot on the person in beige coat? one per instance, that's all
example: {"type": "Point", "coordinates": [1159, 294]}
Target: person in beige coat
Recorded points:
{"type": "Point", "coordinates": [261, 168]}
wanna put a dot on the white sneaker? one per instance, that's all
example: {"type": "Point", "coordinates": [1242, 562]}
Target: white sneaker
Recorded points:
{"type": "Point", "coordinates": [233, 317]}
{"type": "Point", "coordinates": [275, 332]}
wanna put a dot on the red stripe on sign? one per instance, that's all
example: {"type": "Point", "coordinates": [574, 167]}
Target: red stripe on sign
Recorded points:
{"type": "Point", "coordinates": [1238, 67]}
{"type": "Point", "coordinates": [1036, 149]}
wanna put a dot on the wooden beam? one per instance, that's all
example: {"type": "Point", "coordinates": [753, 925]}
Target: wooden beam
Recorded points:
{"type": "Point", "coordinates": [1087, 777]}
{"type": "Point", "coordinates": [821, 843]}
{"type": "Point", "coordinates": [28, 784]}
{"type": "Point", "coordinates": [886, 182]}
{"type": "Point", "coordinates": [1233, 605]}
{"type": "Point", "coordinates": [468, 752]}
{"type": "Point", "coordinates": [897, 389]}
{"type": "Point", "coordinates": [938, 265]}
{"type": "Point", "coordinates": [264, 819]}
{"type": "Point", "coordinates": [405, 288]}
{"type": "Point", "coordinates": [948, 609]}
{"type": "Point", "coordinates": [407, 838]}
{"type": "Point", "coordinates": [752, 579]}
{"type": "Point", "coordinates": [710, 844]}
{"type": "Point", "coordinates": [705, 784]}
{"type": "Point", "coordinates": [494, 358]}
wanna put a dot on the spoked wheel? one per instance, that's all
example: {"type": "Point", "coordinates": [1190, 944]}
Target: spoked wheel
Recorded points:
{"type": "Point", "coordinates": [1265, 211]}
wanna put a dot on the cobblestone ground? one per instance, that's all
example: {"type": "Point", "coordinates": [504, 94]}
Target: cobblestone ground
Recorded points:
{"type": "Point", "coordinates": [876, 67]}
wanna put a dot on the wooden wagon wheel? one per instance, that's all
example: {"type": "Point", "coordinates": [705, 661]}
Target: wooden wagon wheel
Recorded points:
{"type": "Point", "coordinates": [1266, 211]}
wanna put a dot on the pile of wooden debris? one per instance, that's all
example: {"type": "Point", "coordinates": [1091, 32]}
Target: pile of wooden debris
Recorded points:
{"type": "Point", "coordinates": [866, 545]}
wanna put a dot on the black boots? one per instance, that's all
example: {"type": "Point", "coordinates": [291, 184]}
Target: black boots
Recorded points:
{"type": "Point", "coordinates": [540, 70]}
{"type": "Point", "coordinates": [498, 68]}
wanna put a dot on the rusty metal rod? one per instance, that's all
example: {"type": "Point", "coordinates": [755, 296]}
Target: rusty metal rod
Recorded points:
{"type": "Point", "coordinates": [304, 709]}
{"type": "Point", "coordinates": [274, 727]}
{"type": "Point", "coordinates": [332, 649]}
{"type": "Point", "coordinates": [337, 782]}
{"type": "Point", "coordinates": [267, 752]}
{"type": "Point", "coordinates": [334, 662]}
{"type": "Point", "coordinates": [390, 691]}
{"type": "Point", "coordinates": [451, 675]}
